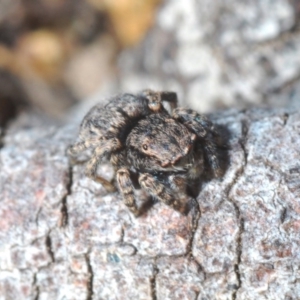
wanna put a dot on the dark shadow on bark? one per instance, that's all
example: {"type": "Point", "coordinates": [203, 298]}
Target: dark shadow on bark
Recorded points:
{"type": "Point", "coordinates": [221, 137]}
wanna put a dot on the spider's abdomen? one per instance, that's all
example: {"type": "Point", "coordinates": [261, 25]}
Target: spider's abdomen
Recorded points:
{"type": "Point", "coordinates": [116, 118]}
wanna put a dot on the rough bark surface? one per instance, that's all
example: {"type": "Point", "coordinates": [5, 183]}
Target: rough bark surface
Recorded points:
{"type": "Point", "coordinates": [218, 54]}
{"type": "Point", "coordinates": [63, 237]}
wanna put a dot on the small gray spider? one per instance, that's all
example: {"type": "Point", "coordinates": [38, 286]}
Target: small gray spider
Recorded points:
{"type": "Point", "coordinates": [139, 137]}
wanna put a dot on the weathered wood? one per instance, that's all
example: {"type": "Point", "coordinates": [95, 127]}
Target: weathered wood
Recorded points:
{"type": "Point", "coordinates": [63, 237]}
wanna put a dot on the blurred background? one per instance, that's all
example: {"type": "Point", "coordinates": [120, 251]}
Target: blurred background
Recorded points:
{"type": "Point", "coordinates": [61, 56]}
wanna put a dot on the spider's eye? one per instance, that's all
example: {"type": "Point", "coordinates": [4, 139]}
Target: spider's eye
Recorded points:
{"type": "Point", "coordinates": [145, 147]}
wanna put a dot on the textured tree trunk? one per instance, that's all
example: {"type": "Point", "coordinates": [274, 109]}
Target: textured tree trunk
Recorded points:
{"type": "Point", "coordinates": [220, 54]}
{"type": "Point", "coordinates": [64, 237]}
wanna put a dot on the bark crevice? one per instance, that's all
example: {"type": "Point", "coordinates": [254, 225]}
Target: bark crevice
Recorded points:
{"type": "Point", "coordinates": [90, 286]}
{"type": "Point", "coordinates": [64, 204]}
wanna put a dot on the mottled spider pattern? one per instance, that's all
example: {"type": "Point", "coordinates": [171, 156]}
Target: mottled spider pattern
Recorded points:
{"type": "Point", "coordinates": [140, 138]}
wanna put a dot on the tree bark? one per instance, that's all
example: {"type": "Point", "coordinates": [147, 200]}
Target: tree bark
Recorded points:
{"type": "Point", "coordinates": [220, 54]}
{"type": "Point", "coordinates": [64, 237]}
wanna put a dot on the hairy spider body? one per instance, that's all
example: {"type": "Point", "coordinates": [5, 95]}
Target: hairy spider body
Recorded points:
{"type": "Point", "coordinates": [138, 135]}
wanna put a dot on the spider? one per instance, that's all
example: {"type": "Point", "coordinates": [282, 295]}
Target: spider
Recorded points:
{"type": "Point", "coordinates": [137, 134]}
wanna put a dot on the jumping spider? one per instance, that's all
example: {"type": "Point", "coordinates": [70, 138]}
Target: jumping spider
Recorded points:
{"type": "Point", "coordinates": [138, 136]}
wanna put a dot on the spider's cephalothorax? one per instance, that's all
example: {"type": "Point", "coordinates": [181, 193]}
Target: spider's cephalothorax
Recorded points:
{"type": "Point", "coordinates": [138, 135]}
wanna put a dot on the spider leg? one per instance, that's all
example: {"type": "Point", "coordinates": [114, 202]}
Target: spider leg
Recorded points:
{"type": "Point", "coordinates": [127, 190]}
{"type": "Point", "coordinates": [205, 132]}
{"type": "Point", "coordinates": [178, 184]}
{"type": "Point", "coordinates": [156, 98]}
{"type": "Point", "coordinates": [99, 153]}
{"type": "Point", "coordinates": [79, 147]}
{"type": "Point", "coordinates": [158, 190]}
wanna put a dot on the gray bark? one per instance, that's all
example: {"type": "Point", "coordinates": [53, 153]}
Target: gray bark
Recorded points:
{"type": "Point", "coordinates": [220, 54]}
{"type": "Point", "coordinates": [64, 237]}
